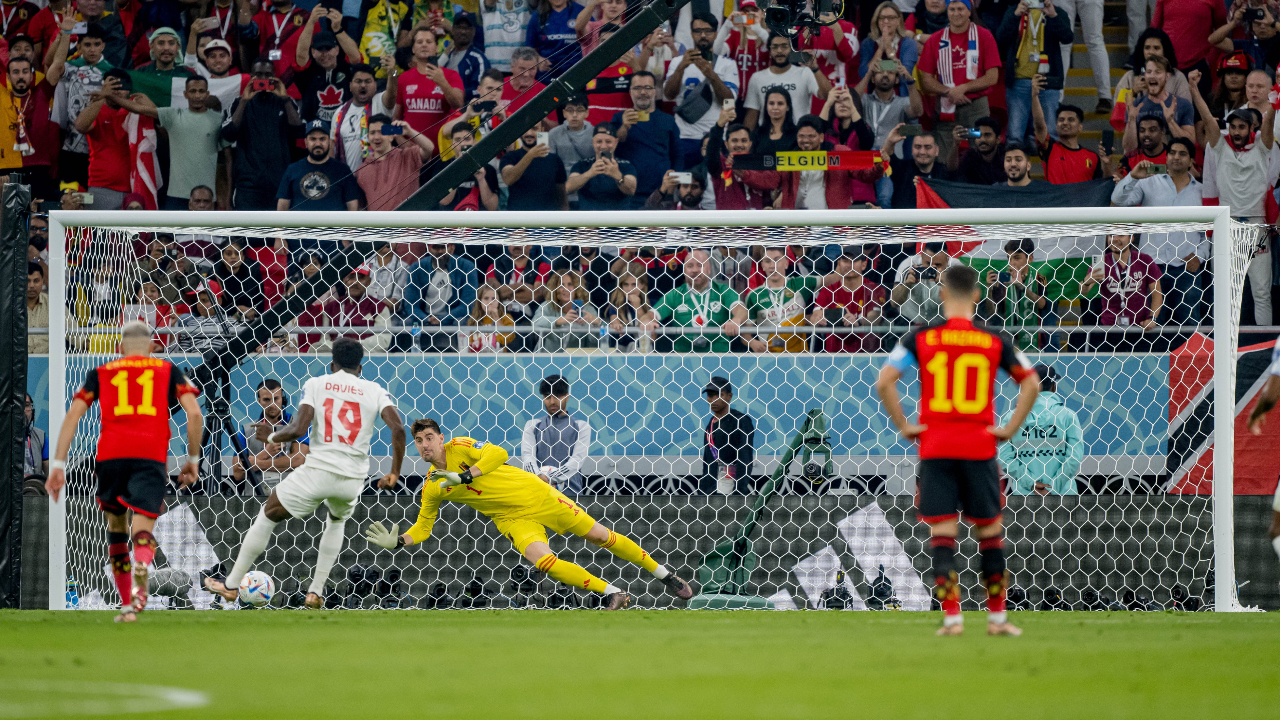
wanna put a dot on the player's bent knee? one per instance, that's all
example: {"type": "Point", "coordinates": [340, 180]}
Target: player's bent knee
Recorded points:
{"type": "Point", "coordinates": [598, 535]}
{"type": "Point", "coordinates": [274, 511]}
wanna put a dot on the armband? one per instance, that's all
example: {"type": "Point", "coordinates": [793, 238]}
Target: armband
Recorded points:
{"type": "Point", "coordinates": [57, 464]}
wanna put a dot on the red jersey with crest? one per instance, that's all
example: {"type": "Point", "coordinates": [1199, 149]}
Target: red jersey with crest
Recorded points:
{"type": "Point", "coordinates": [137, 396]}
{"type": "Point", "coordinates": [958, 362]}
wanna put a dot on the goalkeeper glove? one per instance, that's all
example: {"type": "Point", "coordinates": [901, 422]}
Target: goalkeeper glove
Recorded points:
{"type": "Point", "coordinates": [379, 535]}
{"type": "Point", "coordinates": [449, 479]}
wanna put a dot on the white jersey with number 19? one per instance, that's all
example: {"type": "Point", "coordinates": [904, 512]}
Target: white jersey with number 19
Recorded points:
{"type": "Point", "coordinates": [346, 409]}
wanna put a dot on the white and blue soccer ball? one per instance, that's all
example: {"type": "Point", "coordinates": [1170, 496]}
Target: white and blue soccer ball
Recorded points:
{"type": "Point", "coordinates": [257, 588]}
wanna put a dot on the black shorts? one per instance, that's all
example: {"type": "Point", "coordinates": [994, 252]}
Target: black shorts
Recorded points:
{"type": "Point", "coordinates": [132, 484]}
{"type": "Point", "coordinates": [945, 487]}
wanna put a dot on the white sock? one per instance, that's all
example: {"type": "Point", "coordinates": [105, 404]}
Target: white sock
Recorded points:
{"type": "Point", "coordinates": [328, 549]}
{"type": "Point", "coordinates": [1275, 543]}
{"type": "Point", "coordinates": [997, 618]}
{"type": "Point", "coordinates": [251, 546]}
{"type": "Point", "coordinates": [610, 589]}
{"type": "Point", "coordinates": [661, 572]}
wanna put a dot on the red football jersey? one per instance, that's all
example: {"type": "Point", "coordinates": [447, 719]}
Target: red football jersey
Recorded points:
{"type": "Point", "coordinates": [958, 362]}
{"type": "Point", "coordinates": [137, 396]}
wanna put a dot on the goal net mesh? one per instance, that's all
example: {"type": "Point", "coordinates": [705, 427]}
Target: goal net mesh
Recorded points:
{"type": "Point", "coordinates": [1107, 487]}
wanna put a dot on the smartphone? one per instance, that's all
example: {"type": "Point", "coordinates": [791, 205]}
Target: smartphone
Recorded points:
{"type": "Point", "coordinates": [911, 130]}
{"type": "Point", "coordinates": [642, 116]}
{"type": "Point", "coordinates": [1005, 277]}
{"type": "Point", "coordinates": [544, 138]}
{"type": "Point", "coordinates": [727, 104]}
{"type": "Point", "coordinates": [85, 198]}
{"type": "Point", "coordinates": [262, 85]}
{"type": "Point", "coordinates": [577, 305]}
{"type": "Point", "coordinates": [432, 61]}
{"type": "Point", "coordinates": [486, 106]}
{"type": "Point", "coordinates": [389, 129]}
{"type": "Point", "coordinates": [1108, 141]}
{"type": "Point", "coordinates": [739, 18]}
{"type": "Point", "coordinates": [684, 178]}
{"type": "Point", "coordinates": [799, 58]}
{"type": "Point", "coordinates": [888, 65]}
{"type": "Point", "coordinates": [1099, 262]}
{"type": "Point", "coordinates": [606, 155]}
{"type": "Point", "coordinates": [973, 133]}
{"type": "Point", "coordinates": [1252, 14]}
{"type": "Point", "coordinates": [709, 56]}
{"type": "Point", "coordinates": [1158, 170]}
{"type": "Point", "coordinates": [840, 82]}
{"type": "Point", "coordinates": [274, 55]}
{"type": "Point", "coordinates": [1035, 5]}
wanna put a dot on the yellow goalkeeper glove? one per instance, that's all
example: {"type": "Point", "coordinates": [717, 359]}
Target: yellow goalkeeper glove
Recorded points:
{"type": "Point", "coordinates": [379, 535]}
{"type": "Point", "coordinates": [448, 478]}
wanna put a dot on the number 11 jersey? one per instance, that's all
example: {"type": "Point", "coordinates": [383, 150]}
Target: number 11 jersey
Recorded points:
{"type": "Point", "coordinates": [346, 409]}
{"type": "Point", "coordinates": [958, 362]}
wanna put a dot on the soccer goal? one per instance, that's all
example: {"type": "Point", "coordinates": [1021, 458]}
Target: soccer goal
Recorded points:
{"type": "Point", "coordinates": [1119, 493]}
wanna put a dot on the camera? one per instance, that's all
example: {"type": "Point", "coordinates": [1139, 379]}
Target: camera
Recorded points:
{"type": "Point", "coordinates": [1253, 15]}
{"type": "Point", "coordinates": [929, 273]}
{"type": "Point", "coordinates": [486, 106]}
{"type": "Point", "coordinates": [789, 17]}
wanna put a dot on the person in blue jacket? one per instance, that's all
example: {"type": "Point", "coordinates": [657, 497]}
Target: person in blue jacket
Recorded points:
{"type": "Point", "coordinates": [1044, 456]}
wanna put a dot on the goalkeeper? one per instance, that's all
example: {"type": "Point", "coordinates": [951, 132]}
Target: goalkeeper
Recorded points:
{"type": "Point", "coordinates": [522, 507]}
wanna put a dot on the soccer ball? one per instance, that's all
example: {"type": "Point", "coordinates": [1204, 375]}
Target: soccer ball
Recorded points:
{"type": "Point", "coordinates": [257, 588]}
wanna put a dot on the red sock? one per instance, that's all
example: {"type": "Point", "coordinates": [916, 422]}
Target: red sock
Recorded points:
{"type": "Point", "coordinates": [144, 547]}
{"type": "Point", "coordinates": [946, 581]}
{"type": "Point", "coordinates": [121, 568]}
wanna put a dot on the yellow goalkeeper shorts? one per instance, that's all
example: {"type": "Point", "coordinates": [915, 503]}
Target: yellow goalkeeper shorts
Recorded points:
{"type": "Point", "coordinates": [557, 513]}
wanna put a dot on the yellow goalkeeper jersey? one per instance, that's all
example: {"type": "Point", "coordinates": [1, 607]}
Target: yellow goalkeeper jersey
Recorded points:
{"type": "Point", "coordinates": [502, 491]}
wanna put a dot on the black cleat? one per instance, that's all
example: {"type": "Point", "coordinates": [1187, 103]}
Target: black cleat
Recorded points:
{"type": "Point", "coordinates": [678, 587]}
{"type": "Point", "coordinates": [616, 601]}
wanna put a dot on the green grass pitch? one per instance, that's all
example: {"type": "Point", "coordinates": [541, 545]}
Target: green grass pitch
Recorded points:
{"type": "Point", "coordinates": [651, 664]}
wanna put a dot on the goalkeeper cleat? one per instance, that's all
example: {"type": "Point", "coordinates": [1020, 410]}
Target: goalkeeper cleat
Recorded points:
{"type": "Point", "coordinates": [678, 587]}
{"type": "Point", "coordinates": [313, 602]}
{"type": "Point", "coordinates": [1007, 629]}
{"type": "Point", "coordinates": [127, 615]}
{"type": "Point", "coordinates": [617, 601]}
{"type": "Point", "coordinates": [139, 601]}
{"type": "Point", "coordinates": [217, 587]}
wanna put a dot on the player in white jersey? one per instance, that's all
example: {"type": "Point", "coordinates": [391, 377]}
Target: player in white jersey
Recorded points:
{"type": "Point", "coordinates": [340, 409]}
{"type": "Point", "coordinates": [1266, 400]}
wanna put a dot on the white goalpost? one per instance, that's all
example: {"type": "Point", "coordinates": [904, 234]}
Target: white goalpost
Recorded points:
{"type": "Point", "coordinates": [1144, 520]}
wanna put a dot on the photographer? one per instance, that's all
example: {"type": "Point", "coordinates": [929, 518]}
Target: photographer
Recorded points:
{"type": "Point", "coordinates": [1016, 295]}
{"type": "Point", "coordinates": [206, 327]}
{"type": "Point", "coordinates": [916, 291]}
{"type": "Point", "coordinates": [674, 194]}
{"type": "Point", "coordinates": [604, 183]}
{"type": "Point", "coordinates": [481, 113]}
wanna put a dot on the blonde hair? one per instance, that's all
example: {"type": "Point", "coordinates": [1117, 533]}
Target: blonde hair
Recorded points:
{"type": "Point", "coordinates": [618, 297]}
{"type": "Point", "coordinates": [558, 279]}
{"type": "Point", "coordinates": [874, 32]}
{"type": "Point", "coordinates": [477, 307]}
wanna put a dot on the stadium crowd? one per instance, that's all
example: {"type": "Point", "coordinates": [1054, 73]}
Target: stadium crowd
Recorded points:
{"type": "Point", "coordinates": [353, 105]}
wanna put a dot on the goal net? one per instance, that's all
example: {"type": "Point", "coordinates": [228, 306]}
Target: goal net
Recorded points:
{"type": "Point", "coordinates": [1118, 489]}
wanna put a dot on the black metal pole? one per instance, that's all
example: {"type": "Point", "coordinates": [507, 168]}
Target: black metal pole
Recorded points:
{"type": "Point", "coordinates": [15, 208]}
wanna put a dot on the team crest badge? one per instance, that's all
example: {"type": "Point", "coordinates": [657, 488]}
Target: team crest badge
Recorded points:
{"type": "Point", "coordinates": [591, 85]}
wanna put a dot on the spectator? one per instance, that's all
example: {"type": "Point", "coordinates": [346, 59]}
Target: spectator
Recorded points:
{"type": "Point", "coordinates": [777, 129]}
{"type": "Point", "coordinates": [657, 50]}
{"type": "Point", "coordinates": [356, 309]}
{"type": "Point", "coordinates": [743, 40]}
{"type": "Point", "coordinates": [782, 301]}
{"type": "Point", "coordinates": [1017, 295]}
{"type": "Point", "coordinates": [442, 287]}
{"type": "Point", "coordinates": [518, 270]}
{"type": "Point", "coordinates": [1090, 13]}
{"type": "Point", "coordinates": [1031, 38]}
{"type": "Point", "coordinates": [205, 326]}
{"type": "Point", "coordinates": [81, 78]}
{"type": "Point", "coordinates": [605, 183]}
{"type": "Point", "coordinates": [1259, 43]}
{"type": "Point", "coordinates": [1257, 91]}
{"type": "Point", "coordinates": [241, 283]}
{"type": "Point", "coordinates": [552, 34]}
{"type": "Point", "coordinates": [608, 93]}
{"type": "Point", "coordinates": [273, 261]}
{"type": "Point", "coordinates": [482, 114]}
{"type": "Point", "coordinates": [567, 320]}
{"type": "Point", "coordinates": [534, 175]}
{"type": "Point", "coordinates": [37, 309]}
{"type": "Point", "coordinates": [38, 241]}
{"type": "Point", "coordinates": [736, 189]}
{"type": "Point", "coordinates": [832, 47]}
{"type": "Point", "coordinates": [1044, 456]}
{"type": "Point", "coordinates": [318, 181]}
{"type": "Point", "coordinates": [802, 83]}
{"type": "Point", "coordinates": [884, 44]}
{"type": "Point", "coordinates": [1186, 23]}
{"type": "Point", "coordinates": [1128, 284]}
{"type": "Point", "coordinates": [322, 65]}
{"type": "Point", "coordinates": [1155, 99]}
{"type": "Point", "coordinates": [226, 82]}
{"type": "Point", "coordinates": [25, 104]}
{"type": "Point", "coordinates": [1017, 167]}
{"type": "Point", "coordinates": [35, 446]}
{"type": "Point", "coordinates": [728, 453]}
{"type": "Point", "coordinates": [505, 31]}
{"type": "Point", "coordinates": [1182, 255]}
{"type": "Point", "coordinates": [201, 198]}
{"type": "Point", "coordinates": [1152, 42]}
{"type": "Point", "coordinates": [885, 109]}
{"type": "Point", "coordinates": [389, 175]}
{"type": "Point", "coordinates": [1144, 140]}
{"type": "Point", "coordinates": [647, 137]}
{"type": "Point", "coordinates": [103, 122]}
{"type": "Point", "coordinates": [487, 311]}
{"type": "Point", "coordinates": [388, 276]}
{"type": "Point", "coordinates": [699, 87]}
{"type": "Point", "coordinates": [556, 444]}
{"type": "Point", "coordinates": [195, 138]}
{"type": "Point", "coordinates": [572, 141]}
{"type": "Point", "coordinates": [905, 173]}
{"type": "Point", "coordinates": [702, 303]}
{"type": "Point", "coordinates": [463, 57]}
{"type": "Point", "coordinates": [1239, 173]}
{"type": "Point", "coordinates": [18, 18]}
{"type": "Point", "coordinates": [269, 463]}
{"type": "Point", "coordinates": [834, 188]}
{"type": "Point", "coordinates": [845, 125]}
{"type": "Point", "coordinates": [1228, 94]}
{"type": "Point", "coordinates": [523, 84]}
{"type": "Point", "coordinates": [628, 310]}
{"type": "Point", "coordinates": [850, 300]}
{"type": "Point", "coordinates": [435, 91]}
{"type": "Point", "coordinates": [224, 22]}
{"type": "Point", "coordinates": [590, 31]}
{"type": "Point", "coordinates": [963, 80]}
{"type": "Point", "coordinates": [263, 125]}
{"type": "Point", "coordinates": [1065, 161]}
{"type": "Point", "coordinates": [675, 194]}
{"type": "Point", "coordinates": [916, 290]}
{"type": "Point", "coordinates": [273, 27]}
{"type": "Point", "coordinates": [380, 27]}
{"type": "Point", "coordinates": [480, 191]}
{"type": "Point", "coordinates": [592, 267]}
{"type": "Point", "coordinates": [155, 79]}
{"type": "Point", "coordinates": [983, 162]}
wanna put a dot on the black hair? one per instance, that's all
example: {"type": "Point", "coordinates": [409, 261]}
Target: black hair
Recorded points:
{"type": "Point", "coordinates": [1185, 143]}
{"type": "Point", "coordinates": [735, 127]}
{"type": "Point", "coordinates": [995, 125]}
{"type": "Point", "coordinates": [460, 126]}
{"type": "Point", "coordinates": [1026, 246]}
{"type": "Point", "coordinates": [493, 74]}
{"type": "Point", "coordinates": [579, 100]}
{"type": "Point", "coordinates": [960, 279]}
{"type": "Point", "coordinates": [788, 120]}
{"type": "Point", "coordinates": [272, 385]}
{"type": "Point", "coordinates": [1137, 60]}
{"type": "Point", "coordinates": [1071, 109]}
{"type": "Point", "coordinates": [707, 18]}
{"type": "Point", "coordinates": [362, 68]}
{"type": "Point", "coordinates": [35, 267]}
{"type": "Point", "coordinates": [379, 118]}
{"type": "Point", "coordinates": [553, 385]}
{"type": "Point", "coordinates": [126, 80]}
{"type": "Point", "coordinates": [812, 121]}
{"type": "Point", "coordinates": [775, 36]}
{"type": "Point", "coordinates": [1158, 119]}
{"type": "Point", "coordinates": [347, 353]}
{"type": "Point", "coordinates": [94, 31]}
{"type": "Point", "coordinates": [212, 194]}
{"type": "Point", "coordinates": [196, 78]}
{"type": "Point", "coordinates": [22, 59]}
{"type": "Point", "coordinates": [645, 73]}
{"type": "Point", "coordinates": [1013, 145]}
{"type": "Point", "coordinates": [935, 247]}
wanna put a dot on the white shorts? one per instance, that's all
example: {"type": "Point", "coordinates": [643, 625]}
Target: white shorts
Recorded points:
{"type": "Point", "coordinates": [306, 488]}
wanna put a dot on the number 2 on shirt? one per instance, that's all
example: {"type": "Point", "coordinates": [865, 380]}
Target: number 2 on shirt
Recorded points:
{"type": "Point", "coordinates": [348, 415]}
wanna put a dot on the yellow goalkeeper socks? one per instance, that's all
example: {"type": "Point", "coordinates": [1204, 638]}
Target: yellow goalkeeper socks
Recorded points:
{"type": "Point", "coordinates": [627, 549]}
{"type": "Point", "coordinates": [570, 574]}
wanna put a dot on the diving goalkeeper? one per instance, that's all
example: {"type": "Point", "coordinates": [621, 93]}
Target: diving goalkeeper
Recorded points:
{"type": "Point", "coordinates": [522, 507]}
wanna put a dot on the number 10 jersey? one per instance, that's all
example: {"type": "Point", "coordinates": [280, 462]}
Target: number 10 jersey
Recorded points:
{"type": "Point", "coordinates": [958, 362]}
{"type": "Point", "coordinates": [346, 409]}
